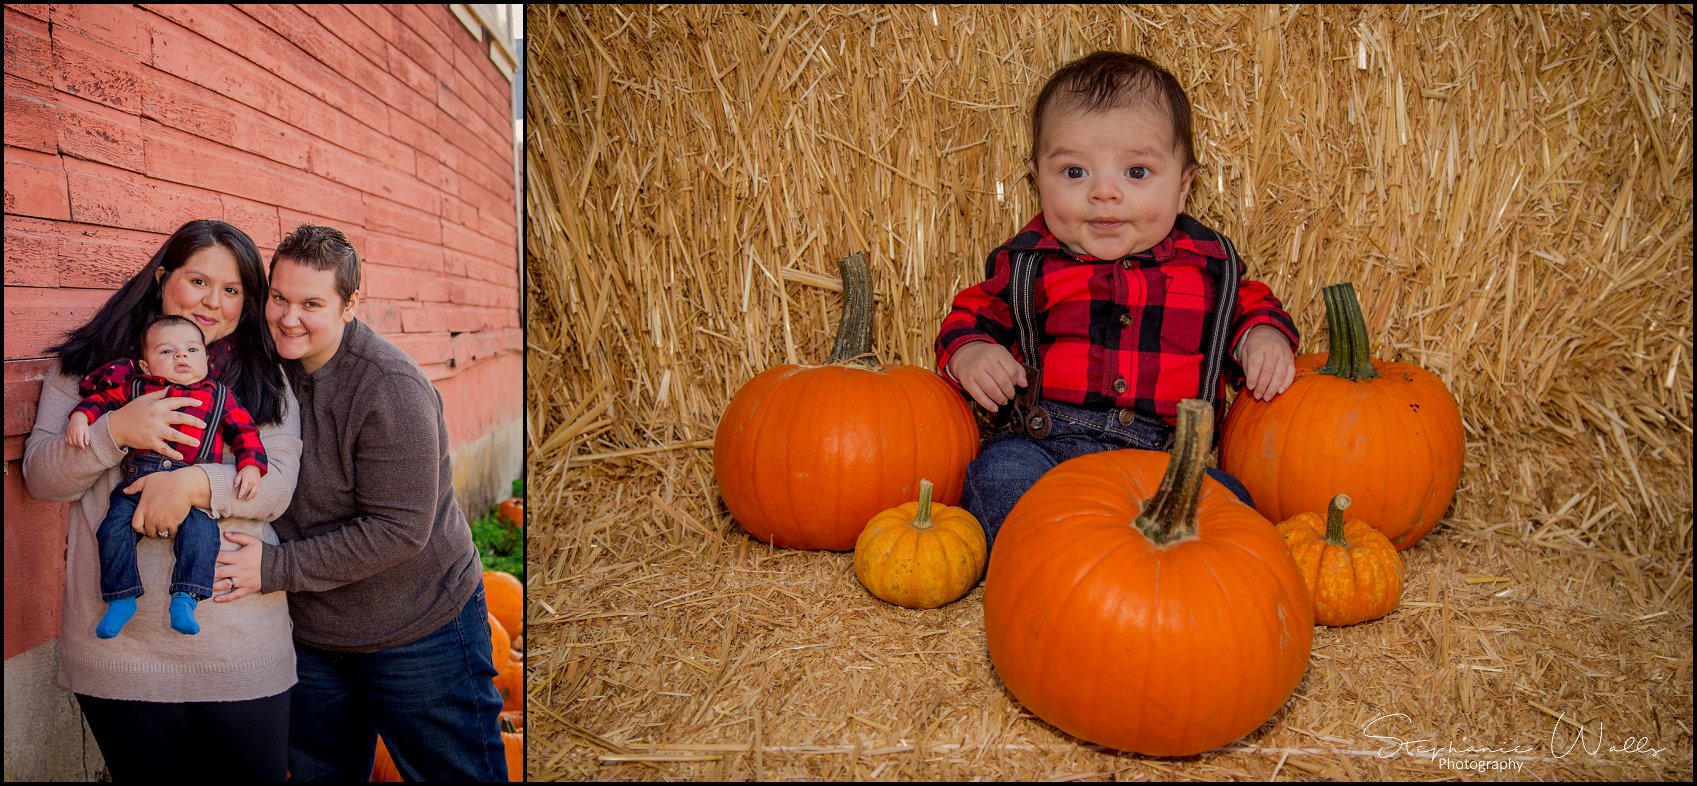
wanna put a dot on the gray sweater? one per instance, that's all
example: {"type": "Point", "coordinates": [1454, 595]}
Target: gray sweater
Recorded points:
{"type": "Point", "coordinates": [375, 552]}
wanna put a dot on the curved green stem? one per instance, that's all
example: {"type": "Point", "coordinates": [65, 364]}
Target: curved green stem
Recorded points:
{"type": "Point", "coordinates": [1336, 330]}
{"type": "Point", "coordinates": [922, 519]}
{"type": "Point", "coordinates": [1170, 515]}
{"type": "Point", "coordinates": [1350, 356]}
{"type": "Point", "coordinates": [1334, 520]}
{"type": "Point", "coordinates": [854, 332]}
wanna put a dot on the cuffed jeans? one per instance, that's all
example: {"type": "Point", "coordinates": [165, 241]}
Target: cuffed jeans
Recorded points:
{"type": "Point", "coordinates": [195, 544]}
{"type": "Point", "coordinates": [433, 700]}
{"type": "Point", "coordinates": [1009, 464]}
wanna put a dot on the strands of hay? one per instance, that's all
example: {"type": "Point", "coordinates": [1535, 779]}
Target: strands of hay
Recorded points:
{"type": "Point", "coordinates": [1509, 189]}
{"type": "Point", "coordinates": [672, 646]}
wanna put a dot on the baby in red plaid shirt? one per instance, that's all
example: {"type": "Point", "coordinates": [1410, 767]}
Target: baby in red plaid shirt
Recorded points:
{"type": "Point", "coordinates": [1110, 295]}
{"type": "Point", "coordinates": [173, 359]}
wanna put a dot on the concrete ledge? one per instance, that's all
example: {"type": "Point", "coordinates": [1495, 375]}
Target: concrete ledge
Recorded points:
{"type": "Point", "coordinates": [46, 738]}
{"type": "Point", "coordinates": [485, 468]}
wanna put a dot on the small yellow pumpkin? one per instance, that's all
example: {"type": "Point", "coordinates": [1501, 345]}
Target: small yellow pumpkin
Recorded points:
{"type": "Point", "coordinates": [1352, 571]}
{"type": "Point", "coordinates": [920, 555]}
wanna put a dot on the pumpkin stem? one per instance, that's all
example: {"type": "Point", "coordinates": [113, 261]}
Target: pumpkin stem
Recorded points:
{"type": "Point", "coordinates": [1338, 333]}
{"type": "Point", "coordinates": [854, 332]}
{"type": "Point", "coordinates": [1170, 515]}
{"type": "Point", "coordinates": [922, 518]}
{"type": "Point", "coordinates": [1334, 520]}
{"type": "Point", "coordinates": [1351, 354]}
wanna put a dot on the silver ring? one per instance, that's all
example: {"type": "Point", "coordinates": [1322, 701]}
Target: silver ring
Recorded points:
{"type": "Point", "coordinates": [232, 583]}
{"type": "Point", "coordinates": [161, 533]}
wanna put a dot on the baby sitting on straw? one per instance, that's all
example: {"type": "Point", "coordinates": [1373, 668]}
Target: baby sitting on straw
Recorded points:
{"type": "Point", "coordinates": [1118, 304]}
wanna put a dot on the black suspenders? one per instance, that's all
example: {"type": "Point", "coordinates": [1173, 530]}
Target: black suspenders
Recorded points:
{"type": "Point", "coordinates": [214, 419]}
{"type": "Point", "coordinates": [1214, 357]}
{"type": "Point", "coordinates": [1027, 415]}
{"type": "Point", "coordinates": [1020, 285]}
{"type": "Point", "coordinates": [1022, 282]}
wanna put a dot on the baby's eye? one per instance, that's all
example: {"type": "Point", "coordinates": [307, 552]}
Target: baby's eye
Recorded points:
{"type": "Point", "coordinates": [1075, 172]}
{"type": "Point", "coordinates": [1137, 173]}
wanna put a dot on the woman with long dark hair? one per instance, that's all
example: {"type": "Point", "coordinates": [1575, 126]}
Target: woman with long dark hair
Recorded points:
{"type": "Point", "coordinates": [162, 704]}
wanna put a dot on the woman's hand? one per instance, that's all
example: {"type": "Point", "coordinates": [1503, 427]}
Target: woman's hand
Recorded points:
{"type": "Point", "coordinates": [166, 498]}
{"type": "Point", "coordinates": [240, 568]}
{"type": "Point", "coordinates": [150, 422]}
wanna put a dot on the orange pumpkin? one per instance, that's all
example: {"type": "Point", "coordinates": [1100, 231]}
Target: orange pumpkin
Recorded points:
{"type": "Point", "coordinates": [513, 739]}
{"type": "Point", "coordinates": [804, 456]}
{"type": "Point", "coordinates": [504, 594]}
{"type": "Point", "coordinates": [920, 555]}
{"type": "Point", "coordinates": [1134, 603]}
{"type": "Point", "coordinates": [1352, 571]}
{"type": "Point", "coordinates": [1387, 434]}
{"type": "Point", "coordinates": [383, 770]}
{"type": "Point", "coordinates": [511, 509]}
{"type": "Point", "coordinates": [510, 682]}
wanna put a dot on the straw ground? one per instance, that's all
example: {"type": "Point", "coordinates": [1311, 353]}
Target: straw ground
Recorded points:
{"type": "Point", "coordinates": [1509, 189]}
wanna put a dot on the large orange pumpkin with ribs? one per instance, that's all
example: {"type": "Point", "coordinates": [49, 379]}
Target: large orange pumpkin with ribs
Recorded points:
{"type": "Point", "coordinates": [805, 455]}
{"type": "Point", "coordinates": [1134, 603]}
{"type": "Point", "coordinates": [1387, 434]}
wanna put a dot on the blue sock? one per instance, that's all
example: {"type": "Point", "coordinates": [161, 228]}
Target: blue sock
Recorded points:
{"type": "Point", "coordinates": [182, 613]}
{"type": "Point", "coordinates": [118, 614]}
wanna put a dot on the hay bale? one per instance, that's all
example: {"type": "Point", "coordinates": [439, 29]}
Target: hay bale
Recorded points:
{"type": "Point", "coordinates": [1508, 188]}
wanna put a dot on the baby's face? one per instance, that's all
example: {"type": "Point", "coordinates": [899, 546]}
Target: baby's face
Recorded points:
{"type": "Point", "coordinates": [174, 352]}
{"type": "Point", "coordinates": [1112, 182]}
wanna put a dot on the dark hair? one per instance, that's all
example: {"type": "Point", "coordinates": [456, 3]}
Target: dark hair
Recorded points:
{"type": "Point", "coordinates": [171, 321]}
{"type": "Point", "coordinates": [1112, 80]}
{"type": "Point", "coordinates": [249, 369]}
{"type": "Point", "coordinates": [322, 248]}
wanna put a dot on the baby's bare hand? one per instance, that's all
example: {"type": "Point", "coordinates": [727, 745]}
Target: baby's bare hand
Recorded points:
{"type": "Point", "coordinates": [76, 432]}
{"type": "Point", "coordinates": [1268, 364]}
{"type": "Point", "coordinates": [247, 482]}
{"type": "Point", "coordinates": [988, 373]}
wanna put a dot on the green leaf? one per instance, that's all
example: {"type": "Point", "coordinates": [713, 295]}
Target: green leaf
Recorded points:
{"type": "Point", "coordinates": [500, 544]}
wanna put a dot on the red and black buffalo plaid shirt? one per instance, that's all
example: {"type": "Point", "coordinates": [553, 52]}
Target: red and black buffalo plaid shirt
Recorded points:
{"type": "Point", "coordinates": [109, 387]}
{"type": "Point", "coordinates": [1125, 333]}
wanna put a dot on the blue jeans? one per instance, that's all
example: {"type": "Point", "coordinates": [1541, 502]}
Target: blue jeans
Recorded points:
{"type": "Point", "coordinates": [1010, 464]}
{"type": "Point", "coordinates": [195, 544]}
{"type": "Point", "coordinates": [433, 700]}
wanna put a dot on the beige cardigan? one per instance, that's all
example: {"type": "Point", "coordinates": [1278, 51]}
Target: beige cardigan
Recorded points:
{"type": "Point", "coordinates": [245, 648]}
